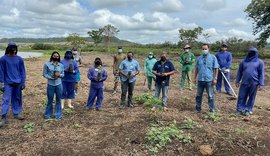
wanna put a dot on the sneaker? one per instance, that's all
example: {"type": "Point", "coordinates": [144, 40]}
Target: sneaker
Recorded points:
{"type": "Point", "coordinates": [130, 105]}
{"type": "Point", "coordinates": [3, 122]}
{"type": "Point", "coordinates": [88, 108]}
{"type": "Point", "coordinates": [165, 109]}
{"type": "Point", "coordinates": [18, 117]}
{"type": "Point", "coordinates": [98, 109]}
{"type": "Point", "coordinates": [248, 113]}
{"type": "Point", "coordinates": [212, 110]}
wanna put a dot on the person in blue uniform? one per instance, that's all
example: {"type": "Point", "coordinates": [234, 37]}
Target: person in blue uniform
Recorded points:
{"type": "Point", "coordinates": [13, 75]}
{"type": "Point", "coordinates": [54, 71]}
{"type": "Point", "coordinates": [97, 75]}
{"type": "Point", "coordinates": [69, 79]}
{"type": "Point", "coordinates": [250, 77]}
{"type": "Point", "coordinates": [224, 58]}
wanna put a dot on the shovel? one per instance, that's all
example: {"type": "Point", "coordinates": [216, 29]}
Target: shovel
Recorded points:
{"type": "Point", "coordinates": [235, 96]}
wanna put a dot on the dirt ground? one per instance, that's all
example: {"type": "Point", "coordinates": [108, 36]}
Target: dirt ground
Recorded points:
{"type": "Point", "coordinates": [115, 131]}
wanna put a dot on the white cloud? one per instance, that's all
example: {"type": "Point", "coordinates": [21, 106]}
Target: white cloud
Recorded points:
{"type": "Point", "coordinates": [240, 34]}
{"type": "Point", "coordinates": [109, 3]}
{"type": "Point", "coordinates": [168, 6]}
{"type": "Point", "coordinates": [212, 5]}
{"type": "Point", "coordinates": [236, 22]}
{"type": "Point", "coordinates": [211, 32]}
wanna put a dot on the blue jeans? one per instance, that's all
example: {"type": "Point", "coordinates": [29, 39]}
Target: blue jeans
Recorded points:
{"type": "Point", "coordinates": [210, 92]}
{"type": "Point", "coordinates": [51, 90]}
{"type": "Point", "coordinates": [164, 89]}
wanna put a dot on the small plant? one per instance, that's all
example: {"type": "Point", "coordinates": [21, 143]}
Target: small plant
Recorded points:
{"type": "Point", "coordinates": [67, 111]}
{"type": "Point", "coordinates": [240, 130]}
{"type": "Point", "coordinates": [159, 137]}
{"type": "Point", "coordinates": [186, 99]}
{"type": "Point", "coordinates": [29, 128]}
{"type": "Point", "coordinates": [212, 116]}
{"type": "Point", "coordinates": [149, 101]}
{"type": "Point", "coordinates": [189, 124]}
{"type": "Point", "coordinates": [143, 97]}
{"type": "Point", "coordinates": [77, 126]}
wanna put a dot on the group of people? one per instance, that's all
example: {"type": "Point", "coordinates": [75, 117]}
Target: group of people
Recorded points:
{"type": "Point", "coordinates": [64, 75]}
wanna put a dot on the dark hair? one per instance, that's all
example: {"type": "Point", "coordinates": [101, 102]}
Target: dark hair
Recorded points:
{"type": "Point", "coordinates": [98, 59]}
{"type": "Point", "coordinates": [68, 52]}
{"type": "Point", "coordinates": [11, 48]}
{"type": "Point", "coordinates": [55, 52]}
{"type": "Point", "coordinates": [130, 52]}
{"type": "Point", "coordinates": [205, 44]}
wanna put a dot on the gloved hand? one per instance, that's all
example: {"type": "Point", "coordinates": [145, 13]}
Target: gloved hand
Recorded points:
{"type": "Point", "coordinates": [223, 69]}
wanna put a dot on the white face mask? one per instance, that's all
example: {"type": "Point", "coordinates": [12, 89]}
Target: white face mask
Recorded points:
{"type": "Point", "coordinates": [186, 50]}
{"type": "Point", "coordinates": [204, 52]}
{"type": "Point", "coordinates": [120, 50]}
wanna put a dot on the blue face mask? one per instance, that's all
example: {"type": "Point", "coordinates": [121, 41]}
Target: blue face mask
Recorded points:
{"type": "Point", "coordinates": [204, 52]}
{"type": "Point", "coordinates": [68, 56]}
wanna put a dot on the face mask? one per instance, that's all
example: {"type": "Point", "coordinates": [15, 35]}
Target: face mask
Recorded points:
{"type": "Point", "coordinates": [54, 59]}
{"type": "Point", "coordinates": [150, 56]}
{"type": "Point", "coordinates": [163, 58]}
{"type": "Point", "coordinates": [68, 56]}
{"type": "Point", "coordinates": [120, 50]}
{"type": "Point", "coordinates": [97, 63]}
{"type": "Point", "coordinates": [186, 50]}
{"type": "Point", "coordinates": [129, 58]}
{"type": "Point", "coordinates": [204, 52]}
{"type": "Point", "coordinates": [251, 53]}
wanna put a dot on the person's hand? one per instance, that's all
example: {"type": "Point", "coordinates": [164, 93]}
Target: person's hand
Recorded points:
{"type": "Point", "coordinates": [237, 85]}
{"type": "Point", "coordinates": [194, 81]}
{"type": "Point", "coordinates": [23, 87]}
{"type": "Point", "coordinates": [57, 74]}
{"type": "Point", "coordinates": [214, 82]}
{"type": "Point", "coordinates": [260, 88]}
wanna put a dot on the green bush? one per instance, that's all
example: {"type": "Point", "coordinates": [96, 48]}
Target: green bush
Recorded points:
{"type": "Point", "coordinates": [42, 46]}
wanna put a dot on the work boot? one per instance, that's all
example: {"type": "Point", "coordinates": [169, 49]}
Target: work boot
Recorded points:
{"type": "Point", "coordinates": [63, 103]}
{"type": "Point", "coordinates": [69, 103]}
{"type": "Point", "coordinates": [18, 117]}
{"type": "Point", "coordinates": [3, 122]}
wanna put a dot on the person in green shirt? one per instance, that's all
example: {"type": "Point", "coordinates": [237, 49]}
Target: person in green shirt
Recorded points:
{"type": "Point", "coordinates": [187, 60]}
{"type": "Point", "coordinates": [148, 66]}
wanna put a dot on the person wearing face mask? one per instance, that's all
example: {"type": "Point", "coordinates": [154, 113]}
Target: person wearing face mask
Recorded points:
{"type": "Point", "coordinates": [97, 75]}
{"type": "Point", "coordinates": [250, 77]}
{"type": "Point", "coordinates": [78, 60]}
{"type": "Point", "coordinates": [206, 69]}
{"type": "Point", "coordinates": [148, 66]}
{"type": "Point", "coordinates": [224, 58]}
{"type": "Point", "coordinates": [117, 59]}
{"type": "Point", "coordinates": [13, 77]}
{"type": "Point", "coordinates": [187, 60]}
{"type": "Point", "coordinates": [69, 79]}
{"type": "Point", "coordinates": [54, 71]}
{"type": "Point", "coordinates": [129, 69]}
{"type": "Point", "coordinates": [163, 69]}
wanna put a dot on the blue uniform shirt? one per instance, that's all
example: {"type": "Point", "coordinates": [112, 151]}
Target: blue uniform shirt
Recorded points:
{"type": "Point", "coordinates": [129, 66]}
{"type": "Point", "coordinates": [48, 72]}
{"type": "Point", "coordinates": [69, 77]}
{"type": "Point", "coordinates": [12, 70]}
{"type": "Point", "coordinates": [206, 66]}
{"type": "Point", "coordinates": [224, 59]}
{"type": "Point", "coordinates": [163, 68]}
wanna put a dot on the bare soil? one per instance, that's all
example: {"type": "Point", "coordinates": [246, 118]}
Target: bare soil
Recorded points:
{"type": "Point", "coordinates": [115, 131]}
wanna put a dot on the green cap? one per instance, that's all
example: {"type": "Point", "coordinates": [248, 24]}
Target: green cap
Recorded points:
{"type": "Point", "coordinates": [151, 53]}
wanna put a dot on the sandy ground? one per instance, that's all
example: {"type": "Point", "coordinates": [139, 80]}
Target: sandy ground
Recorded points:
{"type": "Point", "coordinates": [115, 131]}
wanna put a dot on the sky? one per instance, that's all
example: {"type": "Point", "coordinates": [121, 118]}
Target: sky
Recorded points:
{"type": "Point", "coordinates": [140, 21]}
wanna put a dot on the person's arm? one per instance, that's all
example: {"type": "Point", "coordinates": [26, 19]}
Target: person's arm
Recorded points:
{"type": "Point", "coordinates": [45, 72]}
{"type": "Point", "coordinates": [154, 70]}
{"type": "Point", "coordinates": [23, 73]}
{"type": "Point", "coordinates": [192, 58]}
{"type": "Point", "coordinates": [145, 67]}
{"type": "Point", "coordinates": [172, 70]}
{"type": "Point", "coordinates": [1, 71]}
{"type": "Point", "coordinates": [114, 63]}
{"type": "Point", "coordinates": [90, 74]}
{"type": "Point", "coordinates": [80, 61]}
{"type": "Point", "coordinates": [104, 75]}
{"type": "Point", "coordinates": [229, 61]}
{"type": "Point", "coordinates": [121, 69]}
{"type": "Point", "coordinates": [195, 72]}
{"type": "Point", "coordinates": [239, 74]}
{"type": "Point", "coordinates": [261, 74]}
{"type": "Point", "coordinates": [182, 61]}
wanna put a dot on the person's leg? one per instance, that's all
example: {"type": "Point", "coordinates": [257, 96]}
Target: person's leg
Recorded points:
{"type": "Point", "coordinates": [251, 98]}
{"type": "Point", "coordinates": [149, 82]}
{"type": "Point", "coordinates": [157, 91]}
{"type": "Point", "coordinates": [58, 107]}
{"type": "Point", "coordinates": [100, 98]}
{"type": "Point", "coordinates": [116, 81]}
{"type": "Point", "coordinates": [6, 100]}
{"type": "Point", "coordinates": [226, 85]}
{"type": "Point", "coordinates": [242, 97]}
{"type": "Point", "coordinates": [164, 95]}
{"type": "Point", "coordinates": [70, 93]}
{"type": "Point", "coordinates": [49, 107]}
{"type": "Point", "coordinates": [219, 82]}
{"type": "Point", "coordinates": [91, 97]}
{"type": "Point", "coordinates": [211, 96]}
{"type": "Point", "coordinates": [130, 92]}
{"type": "Point", "coordinates": [124, 87]}
{"type": "Point", "coordinates": [16, 100]}
{"type": "Point", "coordinates": [190, 85]}
{"type": "Point", "coordinates": [64, 94]}
{"type": "Point", "coordinates": [200, 89]}
{"type": "Point", "coordinates": [183, 79]}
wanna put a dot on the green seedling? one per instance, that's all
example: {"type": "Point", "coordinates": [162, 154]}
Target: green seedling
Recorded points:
{"type": "Point", "coordinates": [212, 116]}
{"type": "Point", "coordinates": [68, 111]}
{"type": "Point", "coordinates": [240, 130]}
{"type": "Point", "coordinates": [77, 126]}
{"type": "Point", "coordinates": [189, 124]}
{"type": "Point", "coordinates": [29, 128]}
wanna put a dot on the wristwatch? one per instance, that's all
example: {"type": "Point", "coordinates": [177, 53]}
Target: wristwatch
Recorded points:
{"type": "Point", "coordinates": [215, 78]}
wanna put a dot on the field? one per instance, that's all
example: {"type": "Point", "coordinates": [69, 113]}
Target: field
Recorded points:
{"type": "Point", "coordinates": [115, 131]}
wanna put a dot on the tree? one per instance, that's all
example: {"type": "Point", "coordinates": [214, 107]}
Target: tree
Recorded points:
{"type": "Point", "coordinates": [206, 36]}
{"type": "Point", "coordinates": [109, 31]}
{"type": "Point", "coordinates": [259, 12]}
{"type": "Point", "coordinates": [75, 40]}
{"type": "Point", "coordinates": [189, 35]}
{"type": "Point", "coordinates": [96, 35]}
